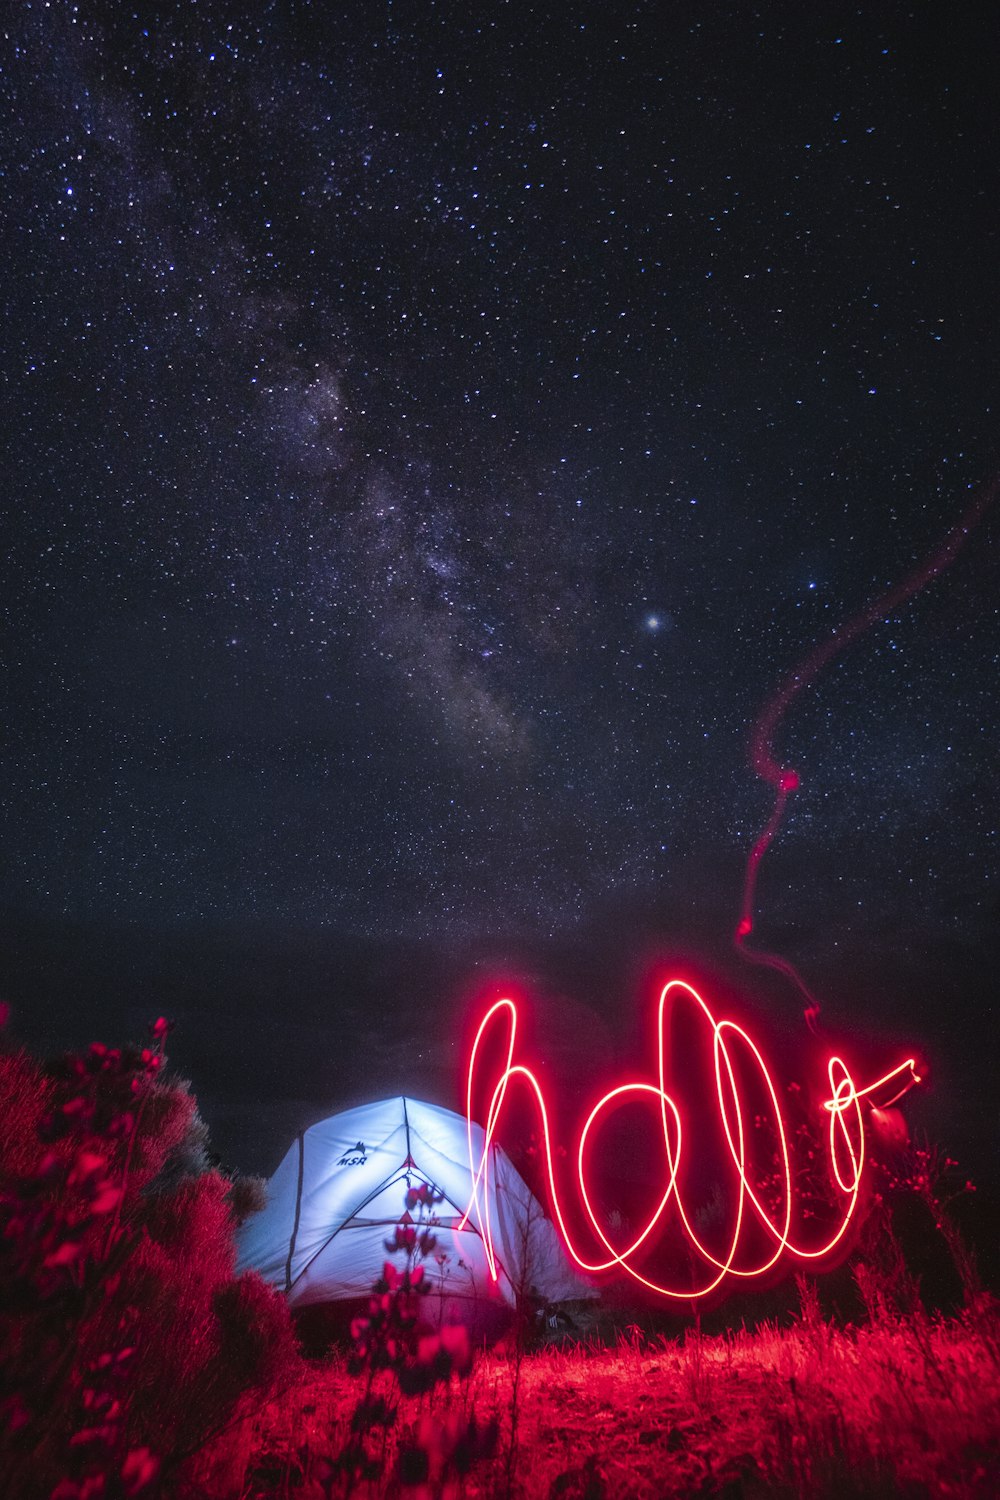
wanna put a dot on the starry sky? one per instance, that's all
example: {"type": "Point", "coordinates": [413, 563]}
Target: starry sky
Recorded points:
{"type": "Point", "coordinates": [432, 431]}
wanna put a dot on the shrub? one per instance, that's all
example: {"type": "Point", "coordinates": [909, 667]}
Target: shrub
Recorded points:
{"type": "Point", "coordinates": [127, 1339]}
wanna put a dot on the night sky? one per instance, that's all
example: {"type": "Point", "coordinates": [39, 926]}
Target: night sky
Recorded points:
{"type": "Point", "coordinates": [432, 432]}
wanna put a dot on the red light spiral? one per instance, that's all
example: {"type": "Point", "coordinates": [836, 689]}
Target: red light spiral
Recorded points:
{"type": "Point", "coordinates": [845, 1144]}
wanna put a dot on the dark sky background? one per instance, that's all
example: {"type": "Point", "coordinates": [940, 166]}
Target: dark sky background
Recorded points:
{"type": "Point", "coordinates": [432, 431]}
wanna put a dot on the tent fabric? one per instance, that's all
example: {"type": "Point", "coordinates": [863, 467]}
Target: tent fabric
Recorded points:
{"type": "Point", "coordinates": [341, 1188]}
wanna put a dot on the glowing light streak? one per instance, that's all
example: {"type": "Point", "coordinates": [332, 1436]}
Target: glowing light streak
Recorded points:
{"type": "Point", "coordinates": [783, 779]}
{"type": "Point", "coordinates": [846, 1147]}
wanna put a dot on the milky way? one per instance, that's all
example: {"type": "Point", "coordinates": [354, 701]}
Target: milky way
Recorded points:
{"type": "Point", "coordinates": [433, 432]}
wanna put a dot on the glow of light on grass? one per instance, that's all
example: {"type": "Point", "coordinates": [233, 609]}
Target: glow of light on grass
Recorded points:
{"type": "Point", "coordinates": [845, 1144]}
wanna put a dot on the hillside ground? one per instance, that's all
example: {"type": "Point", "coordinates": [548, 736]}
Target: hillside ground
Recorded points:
{"type": "Point", "coordinates": [905, 1408]}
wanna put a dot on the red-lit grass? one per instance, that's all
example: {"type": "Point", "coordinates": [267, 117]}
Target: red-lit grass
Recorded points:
{"type": "Point", "coordinates": [906, 1408]}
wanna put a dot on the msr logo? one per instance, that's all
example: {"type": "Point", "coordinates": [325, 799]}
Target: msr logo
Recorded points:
{"type": "Point", "coordinates": [356, 1156]}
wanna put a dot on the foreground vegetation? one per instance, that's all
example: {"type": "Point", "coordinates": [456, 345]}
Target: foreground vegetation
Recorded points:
{"type": "Point", "coordinates": [900, 1409]}
{"type": "Point", "coordinates": [135, 1363]}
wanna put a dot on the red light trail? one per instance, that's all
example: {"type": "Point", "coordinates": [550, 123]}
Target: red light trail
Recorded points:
{"type": "Point", "coordinates": [759, 1234]}
{"type": "Point", "coordinates": [774, 1235]}
{"type": "Point", "coordinates": [783, 779]}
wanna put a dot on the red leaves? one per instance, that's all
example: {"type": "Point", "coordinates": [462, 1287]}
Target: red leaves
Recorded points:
{"type": "Point", "coordinates": [409, 1239]}
{"type": "Point", "coordinates": [61, 1271]}
{"type": "Point", "coordinates": [393, 1281]}
{"type": "Point", "coordinates": [423, 1196]}
{"type": "Point", "coordinates": [89, 1173]}
{"type": "Point", "coordinates": [438, 1356]}
{"type": "Point", "coordinates": [90, 1487]}
{"type": "Point", "coordinates": [140, 1468]}
{"type": "Point", "coordinates": [65, 1254]}
{"type": "Point", "coordinates": [404, 1238]}
{"type": "Point", "coordinates": [396, 1337]}
{"type": "Point", "coordinates": [107, 1199]}
{"type": "Point", "coordinates": [453, 1343]}
{"type": "Point", "coordinates": [390, 1275]}
{"type": "Point", "coordinates": [86, 1164]}
{"type": "Point", "coordinates": [122, 1327]}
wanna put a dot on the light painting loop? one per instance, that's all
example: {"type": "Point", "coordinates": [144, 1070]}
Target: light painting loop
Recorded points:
{"type": "Point", "coordinates": [743, 1258]}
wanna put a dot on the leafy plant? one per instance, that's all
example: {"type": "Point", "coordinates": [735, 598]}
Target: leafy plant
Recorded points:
{"type": "Point", "coordinates": [396, 1339]}
{"type": "Point", "coordinates": [127, 1340]}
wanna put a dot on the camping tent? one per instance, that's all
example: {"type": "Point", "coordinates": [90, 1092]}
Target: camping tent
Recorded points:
{"type": "Point", "coordinates": [334, 1199]}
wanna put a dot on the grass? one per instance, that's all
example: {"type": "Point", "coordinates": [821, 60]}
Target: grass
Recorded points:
{"type": "Point", "coordinates": [907, 1408]}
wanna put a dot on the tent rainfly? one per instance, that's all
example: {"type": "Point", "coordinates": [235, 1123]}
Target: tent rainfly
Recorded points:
{"type": "Point", "coordinates": [341, 1188]}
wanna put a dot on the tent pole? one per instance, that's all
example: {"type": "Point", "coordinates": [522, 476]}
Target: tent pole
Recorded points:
{"type": "Point", "coordinates": [298, 1210]}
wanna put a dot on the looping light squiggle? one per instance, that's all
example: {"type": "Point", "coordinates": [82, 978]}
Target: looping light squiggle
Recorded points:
{"type": "Point", "coordinates": [846, 1146]}
{"type": "Point", "coordinates": [784, 780]}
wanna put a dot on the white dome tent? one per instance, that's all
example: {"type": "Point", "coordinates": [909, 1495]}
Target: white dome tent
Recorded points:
{"type": "Point", "coordinates": [341, 1188]}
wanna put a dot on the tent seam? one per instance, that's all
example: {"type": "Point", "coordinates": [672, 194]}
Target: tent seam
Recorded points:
{"type": "Point", "coordinates": [298, 1211]}
{"type": "Point", "coordinates": [386, 1182]}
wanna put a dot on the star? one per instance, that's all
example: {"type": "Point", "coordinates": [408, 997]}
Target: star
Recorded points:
{"type": "Point", "coordinates": [402, 552]}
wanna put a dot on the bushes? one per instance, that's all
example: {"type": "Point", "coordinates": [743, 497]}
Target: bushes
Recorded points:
{"type": "Point", "coordinates": [127, 1342]}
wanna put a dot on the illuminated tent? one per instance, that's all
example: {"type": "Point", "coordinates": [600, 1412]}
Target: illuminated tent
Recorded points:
{"type": "Point", "coordinates": [341, 1188]}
